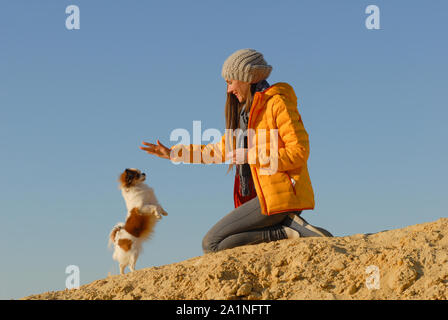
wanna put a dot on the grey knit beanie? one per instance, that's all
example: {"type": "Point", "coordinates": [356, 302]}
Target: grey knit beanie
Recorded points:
{"type": "Point", "coordinates": [246, 65]}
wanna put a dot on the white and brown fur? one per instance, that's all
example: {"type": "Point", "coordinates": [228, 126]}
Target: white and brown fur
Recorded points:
{"type": "Point", "coordinates": [143, 213]}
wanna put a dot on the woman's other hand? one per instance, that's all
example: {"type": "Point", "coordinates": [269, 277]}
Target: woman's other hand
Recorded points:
{"type": "Point", "coordinates": [238, 156]}
{"type": "Point", "coordinates": [157, 149]}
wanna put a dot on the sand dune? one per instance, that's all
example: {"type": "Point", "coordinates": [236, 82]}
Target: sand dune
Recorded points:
{"type": "Point", "coordinates": [411, 263]}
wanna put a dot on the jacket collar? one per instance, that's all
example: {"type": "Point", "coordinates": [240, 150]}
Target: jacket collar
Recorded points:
{"type": "Point", "coordinates": [281, 88]}
{"type": "Point", "coordinates": [260, 98]}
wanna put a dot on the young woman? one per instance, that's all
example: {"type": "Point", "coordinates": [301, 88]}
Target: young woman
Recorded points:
{"type": "Point", "coordinates": [267, 206]}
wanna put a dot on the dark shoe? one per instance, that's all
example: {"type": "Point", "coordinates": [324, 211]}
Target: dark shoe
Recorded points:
{"type": "Point", "coordinates": [296, 222]}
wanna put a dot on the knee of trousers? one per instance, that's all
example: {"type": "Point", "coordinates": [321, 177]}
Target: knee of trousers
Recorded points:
{"type": "Point", "coordinates": [208, 245]}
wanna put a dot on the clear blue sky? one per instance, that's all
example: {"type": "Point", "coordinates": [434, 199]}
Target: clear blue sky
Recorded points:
{"type": "Point", "coordinates": [75, 105]}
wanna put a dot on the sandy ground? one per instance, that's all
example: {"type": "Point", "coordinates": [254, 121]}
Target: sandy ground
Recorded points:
{"type": "Point", "coordinates": [410, 263]}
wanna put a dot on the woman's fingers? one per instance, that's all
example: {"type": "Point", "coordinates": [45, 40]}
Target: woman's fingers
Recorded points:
{"type": "Point", "coordinates": [238, 156]}
{"type": "Point", "coordinates": [165, 150]}
{"type": "Point", "coordinates": [151, 148]}
{"type": "Point", "coordinates": [154, 146]}
{"type": "Point", "coordinates": [158, 150]}
{"type": "Point", "coordinates": [231, 156]}
{"type": "Point", "coordinates": [160, 144]}
{"type": "Point", "coordinates": [151, 151]}
{"type": "Point", "coordinates": [148, 148]}
{"type": "Point", "coordinates": [149, 144]}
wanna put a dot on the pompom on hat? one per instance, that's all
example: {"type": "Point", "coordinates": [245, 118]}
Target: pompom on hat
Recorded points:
{"type": "Point", "coordinates": [246, 65]}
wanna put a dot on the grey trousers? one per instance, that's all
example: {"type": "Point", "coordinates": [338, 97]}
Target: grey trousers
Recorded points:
{"type": "Point", "coordinates": [244, 225]}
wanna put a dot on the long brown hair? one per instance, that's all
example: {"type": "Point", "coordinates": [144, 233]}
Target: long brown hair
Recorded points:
{"type": "Point", "coordinates": [233, 109]}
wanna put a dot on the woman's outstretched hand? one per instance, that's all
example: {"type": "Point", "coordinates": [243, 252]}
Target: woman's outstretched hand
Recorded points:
{"type": "Point", "coordinates": [157, 149]}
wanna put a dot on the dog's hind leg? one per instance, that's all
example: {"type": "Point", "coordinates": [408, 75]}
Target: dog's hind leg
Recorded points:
{"type": "Point", "coordinates": [122, 267]}
{"type": "Point", "coordinates": [132, 264]}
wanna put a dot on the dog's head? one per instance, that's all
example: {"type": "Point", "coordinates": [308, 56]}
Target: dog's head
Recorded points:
{"type": "Point", "coordinates": [131, 177]}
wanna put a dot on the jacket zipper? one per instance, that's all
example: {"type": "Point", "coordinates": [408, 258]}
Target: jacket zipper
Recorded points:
{"type": "Point", "coordinates": [255, 170]}
{"type": "Point", "coordinates": [292, 183]}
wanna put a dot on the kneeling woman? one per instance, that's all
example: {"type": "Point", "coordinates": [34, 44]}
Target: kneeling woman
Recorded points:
{"type": "Point", "coordinates": [267, 206]}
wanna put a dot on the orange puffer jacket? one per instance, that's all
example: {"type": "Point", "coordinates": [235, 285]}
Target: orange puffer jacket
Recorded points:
{"type": "Point", "coordinates": [287, 185]}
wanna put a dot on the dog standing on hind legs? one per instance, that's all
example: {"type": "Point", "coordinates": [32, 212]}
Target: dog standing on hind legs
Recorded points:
{"type": "Point", "coordinates": [143, 213]}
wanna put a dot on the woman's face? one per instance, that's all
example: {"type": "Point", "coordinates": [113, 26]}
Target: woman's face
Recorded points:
{"type": "Point", "coordinates": [238, 88]}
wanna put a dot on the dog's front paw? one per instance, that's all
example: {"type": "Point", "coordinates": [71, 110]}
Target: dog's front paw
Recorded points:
{"type": "Point", "coordinates": [154, 210]}
{"type": "Point", "coordinates": [160, 212]}
{"type": "Point", "coordinates": [157, 212]}
{"type": "Point", "coordinates": [157, 215]}
{"type": "Point", "coordinates": [149, 209]}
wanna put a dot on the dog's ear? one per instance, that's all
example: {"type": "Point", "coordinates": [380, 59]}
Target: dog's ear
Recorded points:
{"type": "Point", "coordinates": [130, 175]}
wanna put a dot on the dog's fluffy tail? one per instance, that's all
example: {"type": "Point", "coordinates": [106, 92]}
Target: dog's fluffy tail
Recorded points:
{"type": "Point", "coordinates": [139, 225]}
{"type": "Point", "coordinates": [113, 233]}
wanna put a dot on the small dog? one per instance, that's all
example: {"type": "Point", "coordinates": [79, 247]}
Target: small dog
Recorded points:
{"type": "Point", "coordinates": [143, 213]}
